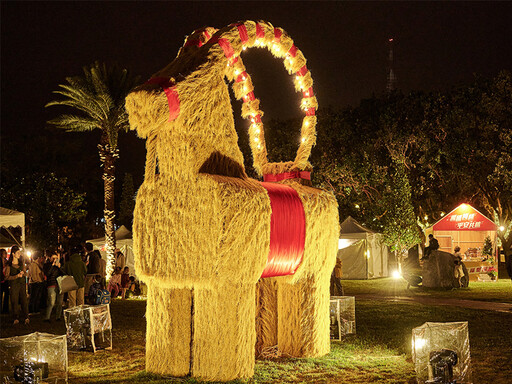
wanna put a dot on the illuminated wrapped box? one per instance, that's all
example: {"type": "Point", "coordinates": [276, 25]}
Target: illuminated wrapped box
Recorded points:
{"type": "Point", "coordinates": [343, 316]}
{"type": "Point", "coordinates": [89, 327]}
{"type": "Point", "coordinates": [34, 358]}
{"type": "Point", "coordinates": [440, 352]}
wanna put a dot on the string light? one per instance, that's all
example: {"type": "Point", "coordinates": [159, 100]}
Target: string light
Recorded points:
{"type": "Point", "coordinates": [256, 139]}
{"type": "Point", "coordinates": [306, 123]}
{"type": "Point", "coordinates": [303, 139]}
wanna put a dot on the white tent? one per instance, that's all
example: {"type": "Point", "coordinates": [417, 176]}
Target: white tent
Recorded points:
{"type": "Point", "coordinates": [362, 252]}
{"type": "Point", "coordinates": [10, 218]}
{"type": "Point", "coordinates": [124, 242]}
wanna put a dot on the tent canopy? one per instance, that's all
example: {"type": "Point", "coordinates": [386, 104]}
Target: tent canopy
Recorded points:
{"type": "Point", "coordinates": [351, 229]}
{"type": "Point", "coordinates": [10, 218]}
{"type": "Point", "coordinates": [123, 236]}
{"type": "Point", "coordinates": [362, 251]}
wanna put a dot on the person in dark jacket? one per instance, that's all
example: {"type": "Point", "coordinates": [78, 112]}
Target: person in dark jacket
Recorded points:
{"type": "Point", "coordinates": [4, 284]}
{"type": "Point", "coordinates": [93, 265]}
{"type": "Point", "coordinates": [76, 268]}
{"type": "Point", "coordinates": [54, 296]}
{"type": "Point", "coordinates": [15, 273]}
{"type": "Point", "coordinates": [433, 245]}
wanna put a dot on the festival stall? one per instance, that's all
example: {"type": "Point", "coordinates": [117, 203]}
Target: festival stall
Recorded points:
{"type": "Point", "coordinates": [362, 252]}
{"type": "Point", "coordinates": [467, 228]}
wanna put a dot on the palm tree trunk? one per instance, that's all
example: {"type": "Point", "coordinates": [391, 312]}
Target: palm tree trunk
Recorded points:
{"type": "Point", "coordinates": [108, 156]}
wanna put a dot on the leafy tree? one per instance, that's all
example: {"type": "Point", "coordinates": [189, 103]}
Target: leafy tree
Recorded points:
{"type": "Point", "coordinates": [479, 126]}
{"type": "Point", "coordinates": [99, 97]}
{"type": "Point", "coordinates": [127, 201]}
{"type": "Point", "coordinates": [49, 205]}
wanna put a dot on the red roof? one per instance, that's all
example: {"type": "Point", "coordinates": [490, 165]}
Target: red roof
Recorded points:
{"type": "Point", "coordinates": [464, 218]}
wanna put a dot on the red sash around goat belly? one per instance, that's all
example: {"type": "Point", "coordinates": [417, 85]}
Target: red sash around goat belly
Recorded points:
{"type": "Point", "coordinates": [287, 230]}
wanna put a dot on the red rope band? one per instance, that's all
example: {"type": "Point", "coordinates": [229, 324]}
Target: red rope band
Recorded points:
{"type": "Point", "coordinates": [260, 33]}
{"type": "Point", "coordinates": [310, 112]}
{"type": "Point", "coordinates": [302, 71]}
{"type": "Point", "coordinates": [292, 51]}
{"type": "Point", "coordinates": [242, 31]}
{"type": "Point", "coordinates": [225, 45]}
{"type": "Point", "coordinates": [173, 99]}
{"type": "Point", "coordinates": [287, 230]}
{"type": "Point", "coordinates": [277, 35]}
{"type": "Point", "coordinates": [287, 175]}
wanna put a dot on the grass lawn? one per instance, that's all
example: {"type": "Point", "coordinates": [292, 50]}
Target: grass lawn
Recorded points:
{"type": "Point", "coordinates": [379, 353]}
{"type": "Point", "coordinates": [499, 291]}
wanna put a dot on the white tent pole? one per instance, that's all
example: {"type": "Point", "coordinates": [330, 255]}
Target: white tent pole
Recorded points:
{"type": "Point", "coordinates": [23, 237]}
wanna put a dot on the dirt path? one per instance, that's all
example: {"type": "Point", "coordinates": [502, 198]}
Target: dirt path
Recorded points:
{"type": "Point", "coordinates": [473, 304]}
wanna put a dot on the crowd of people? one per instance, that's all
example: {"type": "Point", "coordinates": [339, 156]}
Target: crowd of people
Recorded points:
{"type": "Point", "coordinates": [30, 285]}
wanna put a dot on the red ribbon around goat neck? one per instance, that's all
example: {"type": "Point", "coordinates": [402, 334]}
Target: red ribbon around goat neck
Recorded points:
{"type": "Point", "coordinates": [287, 175]}
{"type": "Point", "coordinates": [173, 99]}
{"type": "Point", "coordinates": [287, 230]}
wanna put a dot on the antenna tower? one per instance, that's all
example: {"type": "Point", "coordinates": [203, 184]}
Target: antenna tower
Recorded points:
{"type": "Point", "coordinates": [391, 83]}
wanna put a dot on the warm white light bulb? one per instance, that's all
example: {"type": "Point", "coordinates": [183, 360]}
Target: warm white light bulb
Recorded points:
{"type": "Point", "coordinates": [257, 131]}
{"type": "Point", "coordinates": [256, 139]}
{"type": "Point", "coordinates": [237, 72]}
{"type": "Point", "coordinates": [306, 123]}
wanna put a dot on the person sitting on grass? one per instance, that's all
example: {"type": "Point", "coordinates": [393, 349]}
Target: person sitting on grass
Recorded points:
{"type": "Point", "coordinates": [133, 288]}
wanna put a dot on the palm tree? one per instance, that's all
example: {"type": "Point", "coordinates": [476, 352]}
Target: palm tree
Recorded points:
{"type": "Point", "coordinates": [99, 96]}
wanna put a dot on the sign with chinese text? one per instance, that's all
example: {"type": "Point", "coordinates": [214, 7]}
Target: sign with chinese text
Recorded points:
{"type": "Point", "coordinates": [464, 218]}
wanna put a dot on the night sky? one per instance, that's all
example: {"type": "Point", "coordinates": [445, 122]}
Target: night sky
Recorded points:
{"type": "Point", "coordinates": [437, 45]}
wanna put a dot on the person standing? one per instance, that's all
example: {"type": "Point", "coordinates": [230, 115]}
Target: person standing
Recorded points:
{"type": "Point", "coordinates": [337, 274]}
{"type": "Point", "coordinates": [93, 265]}
{"type": "Point", "coordinates": [54, 296]}
{"type": "Point", "coordinates": [459, 270]}
{"type": "Point", "coordinates": [76, 268]}
{"type": "Point", "coordinates": [120, 259]}
{"type": "Point", "coordinates": [4, 284]}
{"type": "Point", "coordinates": [103, 270]}
{"type": "Point", "coordinates": [16, 275]}
{"type": "Point", "coordinates": [36, 280]}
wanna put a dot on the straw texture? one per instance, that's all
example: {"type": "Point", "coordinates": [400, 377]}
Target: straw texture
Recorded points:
{"type": "Point", "coordinates": [202, 227]}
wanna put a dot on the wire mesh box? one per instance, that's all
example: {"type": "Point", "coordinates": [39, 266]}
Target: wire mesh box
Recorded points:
{"type": "Point", "coordinates": [34, 358]}
{"type": "Point", "coordinates": [89, 327]}
{"type": "Point", "coordinates": [343, 316]}
{"type": "Point", "coordinates": [440, 352]}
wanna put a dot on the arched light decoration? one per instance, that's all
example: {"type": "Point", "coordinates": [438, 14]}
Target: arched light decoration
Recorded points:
{"type": "Point", "coordinates": [236, 38]}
